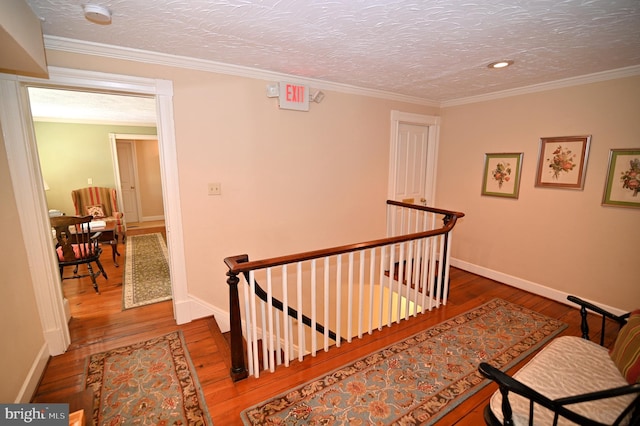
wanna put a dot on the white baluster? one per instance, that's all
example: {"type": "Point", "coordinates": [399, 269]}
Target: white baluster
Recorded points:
{"type": "Point", "coordinates": [360, 294]}
{"type": "Point", "coordinates": [249, 324]}
{"type": "Point", "coordinates": [301, 346]}
{"type": "Point", "coordinates": [254, 320]}
{"type": "Point", "coordinates": [372, 281]}
{"type": "Point", "coordinates": [350, 299]}
{"type": "Point", "coordinates": [286, 318]}
{"type": "Point", "coordinates": [338, 299]}
{"type": "Point", "coordinates": [327, 323]}
{"type": "Point", "coordinates": [314, 335]}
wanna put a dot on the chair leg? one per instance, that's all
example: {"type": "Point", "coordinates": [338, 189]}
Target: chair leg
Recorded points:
{"type": "Point", "coordinates": [102, 269]}
{"type": "Point", "coordinates": [93, 278]}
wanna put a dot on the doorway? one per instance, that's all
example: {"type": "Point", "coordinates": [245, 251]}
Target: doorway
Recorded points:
{"type": "Point", "coordinates": [412, 159]}
{"type": "Point", "coordinates": [26, 180]}
{"type": "Point", "coordinates": [76, 150]}
{"type": "Point", "coordinates": [137, 171]}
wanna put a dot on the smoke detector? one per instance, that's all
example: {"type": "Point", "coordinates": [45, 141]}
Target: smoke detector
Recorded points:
{"type": "Point", "coordinates": [97, 14]}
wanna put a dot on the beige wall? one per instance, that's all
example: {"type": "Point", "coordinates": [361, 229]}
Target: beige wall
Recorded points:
{"type": "Point", "coordinates": [558, 238]}
{"type": "Point", "coordinates": [21, 332]}
{"type": "Point", "coordinates": [291, 181]}
{"type": "Point", "coordinates": [71, 153]}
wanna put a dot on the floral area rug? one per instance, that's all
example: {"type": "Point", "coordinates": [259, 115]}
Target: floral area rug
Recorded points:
{"type": "Point", "coordinates": [148, 383]}
{"type": "Point", "coordinates": [146, 277]}
{"type": "Point", "coordinates": [418, 380]}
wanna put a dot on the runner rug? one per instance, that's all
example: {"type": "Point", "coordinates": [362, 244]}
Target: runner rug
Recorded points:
{"type": "Point", "coordinates": [148, 383]}
{"type": "Point", "coordinates": [146, 271]}
{"type": "Point", "coordinates": [418, 380]}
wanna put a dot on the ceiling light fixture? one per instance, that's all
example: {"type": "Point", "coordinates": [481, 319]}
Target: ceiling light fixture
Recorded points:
{"type": "Point", "coordinates": [97, 14]}
{"type": "Point", "coordinates": [500, 64]}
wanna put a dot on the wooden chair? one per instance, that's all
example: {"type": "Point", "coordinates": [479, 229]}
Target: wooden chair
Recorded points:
{"type": "Point", "coordinates": [102, 204]}
{"type": "Point", "coordinates": [573, 380]}
{"type": "Point", "coordinates": [76, 244]}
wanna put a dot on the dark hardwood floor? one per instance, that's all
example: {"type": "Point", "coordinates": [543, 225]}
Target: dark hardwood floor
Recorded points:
{"type": "Point", "coordinates": [98, 323]}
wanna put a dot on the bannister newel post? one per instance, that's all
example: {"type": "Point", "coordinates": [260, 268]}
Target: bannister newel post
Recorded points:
{"type": "Point", "coordinates": [238, 368]}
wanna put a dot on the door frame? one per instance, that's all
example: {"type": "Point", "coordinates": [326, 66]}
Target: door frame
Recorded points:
{"type": "Point", "coordinates": [26, 179]}
{"type": "Point", "coordinates": [433, 123]}
{"type": "Point", "coordinates": [114, 138]}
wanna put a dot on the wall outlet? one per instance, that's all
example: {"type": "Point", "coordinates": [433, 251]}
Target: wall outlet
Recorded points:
{"type": "Point", "coordinates": [214, 189]}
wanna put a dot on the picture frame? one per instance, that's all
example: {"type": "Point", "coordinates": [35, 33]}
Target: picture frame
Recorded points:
{"type": "Point", "coordinates": [502, 173]}
{"type": "Point", "coordinates": [622, 186]}
{"type": "Point", "coordinates": [562, 162]}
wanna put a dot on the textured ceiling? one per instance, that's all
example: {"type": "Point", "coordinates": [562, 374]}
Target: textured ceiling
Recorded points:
{"type": "Point", "coordinates": [436, 50]}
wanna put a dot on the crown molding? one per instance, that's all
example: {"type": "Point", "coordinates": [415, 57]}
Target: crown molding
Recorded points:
{"type": "Point", "coordinates": [631, 71]}
{"type": "Point", "coordinates": [116, 52]}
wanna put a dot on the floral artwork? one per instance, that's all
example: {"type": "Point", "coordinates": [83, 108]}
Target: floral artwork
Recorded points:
{"type": "Point", "coordinates": [502, 174]}
{"type": "Point", "coordinates": [623, 179]}
{"type": "Point", "coordinates": [631, 178]}
{"type": "Point", "coordinates": [562, 162]}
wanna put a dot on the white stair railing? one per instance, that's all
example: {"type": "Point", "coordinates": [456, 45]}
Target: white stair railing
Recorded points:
{"type": "Point", "coordinates": [339, 293]}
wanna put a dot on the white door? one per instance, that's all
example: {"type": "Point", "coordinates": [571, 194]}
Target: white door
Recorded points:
{"type": "Point", "coordinates": [411, 164]}
{"type": "Point", "coordinates": [126, 165]}
{"type": "Point", "coordinates": [413, 158]}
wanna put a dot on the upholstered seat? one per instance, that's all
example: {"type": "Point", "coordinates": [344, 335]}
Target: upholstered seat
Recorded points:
{"type": "Point", "coordinates": [573, 380]}
{"type": "Point", "coordinates": [585, 367]}
{"type": "Point", "coordinates": [102, 204]}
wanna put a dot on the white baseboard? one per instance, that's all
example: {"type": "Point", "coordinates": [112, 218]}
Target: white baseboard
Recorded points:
{"type": "Point", "coordinates": [525, 285]}
{"type": "Point", "coordinates": [195, 308]}
{"type": "Point", "coordinates": [36, 371]}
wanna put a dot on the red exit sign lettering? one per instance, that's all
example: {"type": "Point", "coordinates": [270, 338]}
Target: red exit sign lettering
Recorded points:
{"type": "Point", "coordinates": [294, 96]}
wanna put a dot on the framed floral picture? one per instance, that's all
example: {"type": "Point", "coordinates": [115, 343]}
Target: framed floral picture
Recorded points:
{"type": "Point", "coordinates": [623, 179]}
{"type": "Point", "coordinates": [562, 161]}
{"type": "Point", "coordinates": [502, 174]}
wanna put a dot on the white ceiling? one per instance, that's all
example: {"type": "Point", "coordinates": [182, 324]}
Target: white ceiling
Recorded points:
{"type": "Point", "coordinates": [436, 50]}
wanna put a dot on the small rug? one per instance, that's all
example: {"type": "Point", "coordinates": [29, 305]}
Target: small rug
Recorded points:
{"type": "Point", "coordinates": [148, 383]}
{"type": "Point", "coordinates": [146, 271]}
{"type": "Point", "coordinates": [418, 380]}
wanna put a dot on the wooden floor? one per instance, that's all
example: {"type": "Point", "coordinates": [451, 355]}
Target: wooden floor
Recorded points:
{"type": "Point", "coordinates": [98, 324]}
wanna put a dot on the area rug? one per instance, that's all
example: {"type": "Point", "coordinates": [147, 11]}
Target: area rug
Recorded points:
{"type": "Point", "coordinates": [148, 383]}
{"type": "Point", "coordinates": [146, 277]}
{"type": "Point", "coordinates": [418, 380]}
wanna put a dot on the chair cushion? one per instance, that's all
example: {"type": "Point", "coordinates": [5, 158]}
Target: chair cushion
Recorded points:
{"type": "Point", "coordinates": [567, 366]}
{"type": "Point", "coordinates": [626, 349]}
{"type": "Point", "coordinates": [79, 251]}
{"type": "Point", "coordinates": [97, 211]}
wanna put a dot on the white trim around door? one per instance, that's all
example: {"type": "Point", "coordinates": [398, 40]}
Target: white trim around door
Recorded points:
{"type": "Point", "coordinates": [26, 177]}
{"type": "Point", "coordinates": [433, 124]}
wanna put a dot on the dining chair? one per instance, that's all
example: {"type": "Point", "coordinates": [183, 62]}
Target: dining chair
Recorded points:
{"type": "Point", "coordinates": [77, 244]}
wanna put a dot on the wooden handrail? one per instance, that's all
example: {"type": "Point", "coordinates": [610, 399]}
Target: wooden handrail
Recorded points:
{"type": "Point", "coordinates": [239, 264]}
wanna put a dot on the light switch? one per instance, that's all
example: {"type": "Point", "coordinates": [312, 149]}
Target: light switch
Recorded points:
{"type": "Point", "coordinates": [214, 189]}
{"type": "Point", "coordinates": [90, 181]}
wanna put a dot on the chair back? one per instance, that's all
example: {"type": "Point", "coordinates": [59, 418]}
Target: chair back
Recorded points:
{"type": "Point", "coordinates": [74, 239]}
{"type": "Point", "coordinates": [95, 196]}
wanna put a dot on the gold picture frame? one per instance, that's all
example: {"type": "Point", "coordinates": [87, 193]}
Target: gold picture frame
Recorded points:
{"type": "Point", "coordinates": [562, 162]}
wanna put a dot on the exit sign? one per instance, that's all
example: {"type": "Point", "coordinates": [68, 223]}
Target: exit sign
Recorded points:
{"type": "Point", "coordinates": [294, 96]}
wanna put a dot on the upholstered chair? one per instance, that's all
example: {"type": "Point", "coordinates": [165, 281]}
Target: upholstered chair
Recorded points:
{"type": "Point", "coordinates": [102, 204]}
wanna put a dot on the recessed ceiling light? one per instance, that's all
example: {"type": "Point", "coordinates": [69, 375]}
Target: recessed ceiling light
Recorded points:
{"type": "Point", "coordinates": [500, 64]}
{"type": "Point", "coordinates": [97, 14]}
